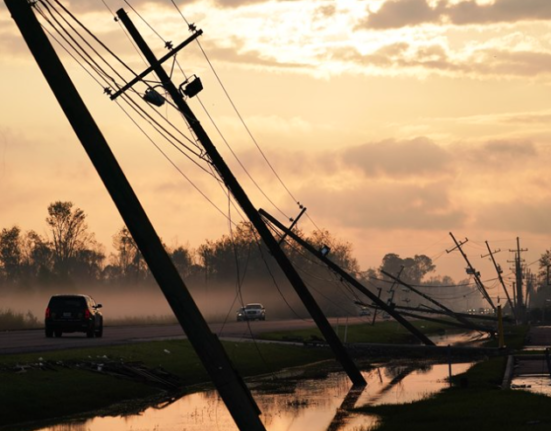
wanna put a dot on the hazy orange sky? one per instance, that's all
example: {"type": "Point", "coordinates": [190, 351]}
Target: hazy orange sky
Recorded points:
{"type": "Point", "coordinates": [394, 122]}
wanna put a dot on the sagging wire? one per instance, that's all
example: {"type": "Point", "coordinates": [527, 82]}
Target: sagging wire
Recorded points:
{"type": "Point", "coordinates": [211, 119]}
{"type": "Point", "coordinates": [102, 74]}
{"type": "Point", "coordinates": [241, 119]}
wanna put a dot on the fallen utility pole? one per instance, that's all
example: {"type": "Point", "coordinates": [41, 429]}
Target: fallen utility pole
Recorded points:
{"type": "Point", "coordinates": [448, 311]}
{"type": "Point", "coordinates": [441, 312]}
{"type": "Point", "coordinates": [346, 276]}
{"type": "Point", "coordinates": [227, 381]}
{"type": "Point", "coordinates": [499, 272]}
{"type": "Point", "coordinates": [404, 312]}
{"type": "Point", "coordinates": [244, 202]}
{"type": "Point", "coordinates": [433, 319]}
{"type": "Point", "coordinates": [473, 272]}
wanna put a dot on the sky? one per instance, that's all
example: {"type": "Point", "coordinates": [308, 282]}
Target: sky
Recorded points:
{"type": "Point", "coordinates": [395, 122]}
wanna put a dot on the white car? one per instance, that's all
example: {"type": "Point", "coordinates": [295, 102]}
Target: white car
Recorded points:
{"type": "Point", "coordinates": [253, 311]}
{"type": "Point", "coordinates": [365, 311]}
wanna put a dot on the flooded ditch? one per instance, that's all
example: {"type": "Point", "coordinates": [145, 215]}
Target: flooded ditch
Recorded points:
{"type": "Point", "coordinates": [289, 401]}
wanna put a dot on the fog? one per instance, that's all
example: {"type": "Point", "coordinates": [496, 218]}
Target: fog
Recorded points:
{"type": "Point", "coordinates": [216, 302]}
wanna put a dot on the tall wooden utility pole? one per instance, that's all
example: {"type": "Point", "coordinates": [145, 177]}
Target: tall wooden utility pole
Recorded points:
{"type": "Point", "coordinates": [472, 271]}
{"type": "Point", "coordinates": [346, 276]}
{"type": "Point", "coordinates": [244, 202]}
{"type": "Point", "coordinates": [521, 306]}
{"type": "Point", "coordinates": [499, 272]}
{"type": "Point", "coordinates": [229, 384]}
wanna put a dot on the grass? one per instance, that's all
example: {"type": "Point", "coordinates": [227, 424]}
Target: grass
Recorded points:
{"type": "Point", "coordinates": [11, 320]}
{"type": "Point", "coordinates": [481, 405]}
{"type": "Point", "coordinates": [36, 395]}
{"type": "Point", "coordinates": [168, 319]}
{"type": "Point", "coordinates": [382, 332]}
{"type": "Point", "coordinates": [43, 395]}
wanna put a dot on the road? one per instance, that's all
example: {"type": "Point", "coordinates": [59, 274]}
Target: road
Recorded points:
{"type": "Point", "coordinates": [29, 341]}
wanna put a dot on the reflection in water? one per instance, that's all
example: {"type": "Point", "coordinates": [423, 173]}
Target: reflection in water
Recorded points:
{"type": "Point", "coordinates": [314, 405]}
{"type": "Point", "coordinates": [537, 384]}
{"type": "Point", "coordinates": [471, 338]}
{"type": "Point", "coordinates": [343, 412]}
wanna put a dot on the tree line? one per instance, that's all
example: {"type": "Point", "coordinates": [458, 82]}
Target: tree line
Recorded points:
{"type": "Point", "coordinates": [68, 255]}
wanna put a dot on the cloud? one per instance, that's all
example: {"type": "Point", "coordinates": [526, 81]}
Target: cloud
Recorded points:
{"type": "Point", "coordinates": [498, 154]}
{"type": "Point", "coordinates": [402, 13]}
{"type": "Point", "coordinates": [430, 58]}
{"type": "Point", "coordinates": [399, 159]}
{"type": "Point", "coordinates": [237, 3]}
{"type": "Point", "coordinates": [532, 118]}
{"type": "Point", "coordinates": [468, 12]}
{"type": "Point", "coordinates": [407, 13]}
{"type": "Point", "coordinates": [386, 206]}
{"type": "Point", "coordinates": [519, 215]}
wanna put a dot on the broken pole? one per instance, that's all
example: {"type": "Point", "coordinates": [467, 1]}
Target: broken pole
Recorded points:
{"type": "Point", "coordinates": [474, 273]}
{"type": "Point", "coordinates": [448, 311]}
{"type": "Point", "coordinates": [346, 276]}
{"type": "Point", "coordinates": [227, 381]}
{"type": "Point", "coordinates": [244, 202]}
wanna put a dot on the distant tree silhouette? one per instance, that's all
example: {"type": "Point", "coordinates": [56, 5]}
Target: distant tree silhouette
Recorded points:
{"type": "Point", "coordinates": [415, 268]}
{"type": "Point", "coordinates": [11, 254]}
{"type": "Point", "coordinates": [183, 261]}
{"type": "Point", "coordinates": [69, 235]}
{"type": "Point", "coordinates": [38, 259]}
{"type": "Point", "coordinates": [130, 264]}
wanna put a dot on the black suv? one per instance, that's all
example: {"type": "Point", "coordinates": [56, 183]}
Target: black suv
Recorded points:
{"type": "Point", "coordinates": [73, 313]}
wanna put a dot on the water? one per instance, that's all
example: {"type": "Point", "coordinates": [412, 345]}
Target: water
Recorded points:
{"type": "Point", "coordinates": [470, 338]}
{"type": "Point", "coordinates": [287, 403]}
{"type": "Point", "coordinates": [537, 384]}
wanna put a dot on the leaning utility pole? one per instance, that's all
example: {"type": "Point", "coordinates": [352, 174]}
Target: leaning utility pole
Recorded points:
{"type": "Point", "coordinates": [499, 272]}
{"type": "Point", "coordinates": [227, 381]}
{"type": "Point", "coordinates": [244, 202]}
{"type": "Point", "coordinates": [472, 271]}
{"type": "Point", "coordinates": [346, 276]}
{"type": "Point", "coordinates": [521, 307]}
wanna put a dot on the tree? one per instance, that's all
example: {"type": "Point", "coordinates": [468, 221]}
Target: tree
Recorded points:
{"type": "Point", "coordinates": [128, 258]}
{"type": "Point", "coordinates": [545, 267]}
{"type": "Point", "coordinates": [182, 260]}
{"type": "Point", "coordinates": [38, 257]}
{"type": "Point", "coordinates": [542, 293]}
{"type": "Point", "coordinates": [240, 251]}
{"type": "Point", "coordinates": [414, 269]}
{"type": "Point", "coordinates": [88, 264]}
{"type": "Point", "coordinates": [11, 254]}
{"type": "Point", "coordinates": [340, 252]}
{"type": "Point", "coordinates": [69, 233]}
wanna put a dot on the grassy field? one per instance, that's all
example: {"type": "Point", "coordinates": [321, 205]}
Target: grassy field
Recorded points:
{"type": "Point", "coordinates": [474, 402]}
{"type": "Point", "coordinates": [382, 332]}
{"type": "Point", "coordinates": [57, 391]}
{"type": "Point", "coordinates": [60, 390]}
{"type": "Point", "coordinates": [482, 405]}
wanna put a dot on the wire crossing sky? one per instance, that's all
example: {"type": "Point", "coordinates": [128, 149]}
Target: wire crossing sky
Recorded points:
{"type": "Point", "coordinates": [394, 122]}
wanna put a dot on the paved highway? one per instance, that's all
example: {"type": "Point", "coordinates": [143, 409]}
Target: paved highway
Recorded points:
{"type": "Point", "coordinates": [35, 340]}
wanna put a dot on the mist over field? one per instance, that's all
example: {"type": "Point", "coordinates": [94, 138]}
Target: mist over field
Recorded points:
{"type": "Point", "coordinates": [221, 275]}
{"type": "Point", "coordinates": [147, 304]}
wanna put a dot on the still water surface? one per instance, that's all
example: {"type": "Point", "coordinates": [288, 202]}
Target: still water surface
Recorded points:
{"type": "Point", "coordinates": [304, 404]}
